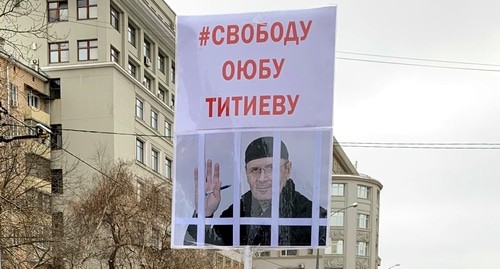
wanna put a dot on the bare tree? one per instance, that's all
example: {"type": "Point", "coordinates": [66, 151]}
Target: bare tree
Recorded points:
{"type": "Point", "coordinates": [124, 222]}
{"type": "Point", "coordinates": [20, 22]}
{"type": "Point", "coordinates": [25, 211]}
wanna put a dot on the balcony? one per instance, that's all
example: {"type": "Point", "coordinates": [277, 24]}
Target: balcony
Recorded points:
{"type": "Point", "coordinates": [33, 113]}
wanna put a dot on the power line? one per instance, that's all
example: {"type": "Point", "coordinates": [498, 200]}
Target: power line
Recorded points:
{"type": "Point", "coordinates": [419, 65]}
{"type": "Point", "coordinates": [416, 59]}
{"type": "Point", "coordinates": [402, 145]}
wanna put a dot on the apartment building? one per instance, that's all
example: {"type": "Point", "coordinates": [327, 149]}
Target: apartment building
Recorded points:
{"type": "Point", "coordinates": [25, 175]}
{"type": "Point", "coordinates": [108, 70]}
{"type": "Point", "coordinates": [354, 225]}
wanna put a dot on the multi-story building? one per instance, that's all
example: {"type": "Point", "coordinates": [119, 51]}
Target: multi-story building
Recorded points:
{"type": "Point", "coordinates": [354, 225]}
{"type": "Point", "coordinates": [25, 175]}
{"type": "Point", "coordinates": [111, 65]}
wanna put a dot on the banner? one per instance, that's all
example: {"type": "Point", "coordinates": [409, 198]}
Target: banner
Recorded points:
{"type": "Point", "coordinates": [253, 129]}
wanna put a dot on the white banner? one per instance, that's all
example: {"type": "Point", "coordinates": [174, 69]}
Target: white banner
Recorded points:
{"type": "Point", "coordinates": [250, 85]}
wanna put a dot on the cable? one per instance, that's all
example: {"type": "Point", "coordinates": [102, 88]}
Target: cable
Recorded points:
{"type": "Point", "coordinates": [416, 59]}
{"type": "Point", "coordinates": [396, 145]}
{"type": "Point", "coordinates": [419, 65]}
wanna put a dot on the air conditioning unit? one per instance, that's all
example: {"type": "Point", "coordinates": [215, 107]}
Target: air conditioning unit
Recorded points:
{"type": "Point", "coordinates": [147, 61]}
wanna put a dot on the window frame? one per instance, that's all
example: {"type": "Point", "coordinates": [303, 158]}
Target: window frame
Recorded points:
{"type": "Point", "coordinates": [363, 192]}
{"type": "Point", "coordinates": [132, 69]}
{"type": "Point", "coordinates": [62, 51]}
{"type": "Point", "coordinates": [114, 55]}
{"type": "Point", "coordinates": [168, 168]}
{"type": "Point", "coordinates": [56, 136]}
{"type": "Point", "coordinates": [89, 48]}
{"type": "Point", "coordinates": [13, 95]}
{"type": "Point", "coordinates": [139, 108]}
{"type": "Point", "coordinates": [337, 219]}
{"type": "Point", "coordinates": [161, 62]}
{"type": "Point", "coordinates": [34, 100]}
{"type": "Point", "coordinates": [363, 221]}
{"type": "Point", "coordinates": [155, 160]}
{"type": "Point", "coordinates": [132, 34]}
{"type": "Point", "coordinates": [362, 248]}
{"type": "Point", "coordinates": [57, 11]}
{"type": "Point", "coordinates": [172, 72]}
{"type": "Point", "coordinates": [114, 18]}
{"type": "Point", "coordinates": [147, 48]}
{"type": "Point", "coordinates": [338, 189]}
{"type": "Point", "coordinates": [336, 248]}
{"type": "Point", "coordinates": [139, 150]}
{"type": "Point", "coordinates": [89, 7]}
{"type": "Point", "coordinates": [154, 119]}
{"type": "Point", "coordinates": [168, 129]}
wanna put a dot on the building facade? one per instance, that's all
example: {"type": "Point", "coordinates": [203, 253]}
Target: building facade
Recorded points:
{"type": "Point", "coordinates": [111, 92]}
{"type": "Point", "coordinates": [25, 174]}
{"type": "Point", "coordinates": [354, 226]}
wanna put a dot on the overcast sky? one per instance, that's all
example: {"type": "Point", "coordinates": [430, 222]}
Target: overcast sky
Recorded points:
{"type": "Point", "coordinates": [439, 206]}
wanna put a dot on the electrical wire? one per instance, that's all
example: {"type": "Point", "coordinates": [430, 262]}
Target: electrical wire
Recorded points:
{"type": "Point", "coordinates": [416, 59]}
{"type": "Point", "coordinates": [389, 145]}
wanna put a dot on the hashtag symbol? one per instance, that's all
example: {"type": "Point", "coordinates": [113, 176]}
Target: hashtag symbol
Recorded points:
{"type": "Point", "coordinates": [204, 36]}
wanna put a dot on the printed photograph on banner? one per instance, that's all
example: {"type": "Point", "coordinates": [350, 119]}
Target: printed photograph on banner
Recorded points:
{"type": "Point", "coordinates": [278, 181]}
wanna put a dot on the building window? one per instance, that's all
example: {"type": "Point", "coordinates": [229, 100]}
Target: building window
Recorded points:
{"type": "Point", "coordinates": [33, 100]}
{"type": "Point", "coordinates": [56, 137]}
{"type": "Point", "coordinates": [338, 189]}
{"type": "Point", "coordinates": [115, 55]}
{"type": "Point", "coordinates": [337, 219]}
{"type": "Point", "coordinates": [132, 69]}
{"type": "Point", "coordinates": [289, 252]}
{"type": "Point", "coordinates": [363, 221]}
{"type": "Point", "coordinates": [147, 49]}
{"type": "Point", "coordinates": [147, 83]}
{"type": "Point", "coordinates": [87, 50]}
{"type": "Point", "coordinates": [172, 72]}
{"type": "Point", "coordinates": [161, 62]}
{"type": "Point", "coordinates": [58, 11]}
{"type": "Point", "coordinates": [168, 130]}
{"type": "Point", "coordinates": [131, 34]}
{"type": "Point", "coordinates": [87, 9]}
{"type": "Point", "coordinates": [59, 52]}
{"type": "Point", "coordinates": [57, 181]}
{"type": "Point", "coordinates": [162, 94]}
{"type": "Point", "coordinates": [140, 192]}
{"type": "Point", "coordinates": [154, 119]}
{"type": "Point", "coordinates": [55, 88]}
{"type": "Point", "coordinates": [115, 18]}
{"type": "Point", "coordinates": [337, 247]}
{"type": "Point", "coordinates": [363, 192]}
{"type": "Point", "coordinates": [13, 95]}
{"type": "Point", "coordinates": [139, 108]}
{"type": "Point", "coordinates": [139, 150]}
{"type": "Point", "coordinates": [172, 101]}
{"type": "Point", "coordinates": [361, 248]}
{"type": "Point", "coordinates": [154, 160]}
{"type": "Point", "coordinates": [168, 168]}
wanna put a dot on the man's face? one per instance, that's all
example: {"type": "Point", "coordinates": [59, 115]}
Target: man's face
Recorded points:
{"type": "Point", "coordinates": [260, 175]}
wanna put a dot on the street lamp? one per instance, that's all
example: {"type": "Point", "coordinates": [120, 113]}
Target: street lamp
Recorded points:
{"type": "Point", "coordinates": [331, 214]}
{"type": "Point", "coordinates": [396, 265]}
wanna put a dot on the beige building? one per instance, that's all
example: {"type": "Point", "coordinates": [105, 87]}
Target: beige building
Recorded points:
{"type": "Point", "coordinates": [354, 226]}
{"type": "Point", "coordinates": [113, 75]}
{"type": "Point", "coordinates": [111, 65]}
{"type": "Point", "coordinates": [25, 175]}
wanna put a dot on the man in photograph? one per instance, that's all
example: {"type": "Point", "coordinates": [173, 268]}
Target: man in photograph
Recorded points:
{"type": "Point", "coordinates": [257, 202]}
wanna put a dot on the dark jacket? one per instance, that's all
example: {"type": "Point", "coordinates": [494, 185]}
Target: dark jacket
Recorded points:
{"type": "Point", "coordinates": [292, 205]}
